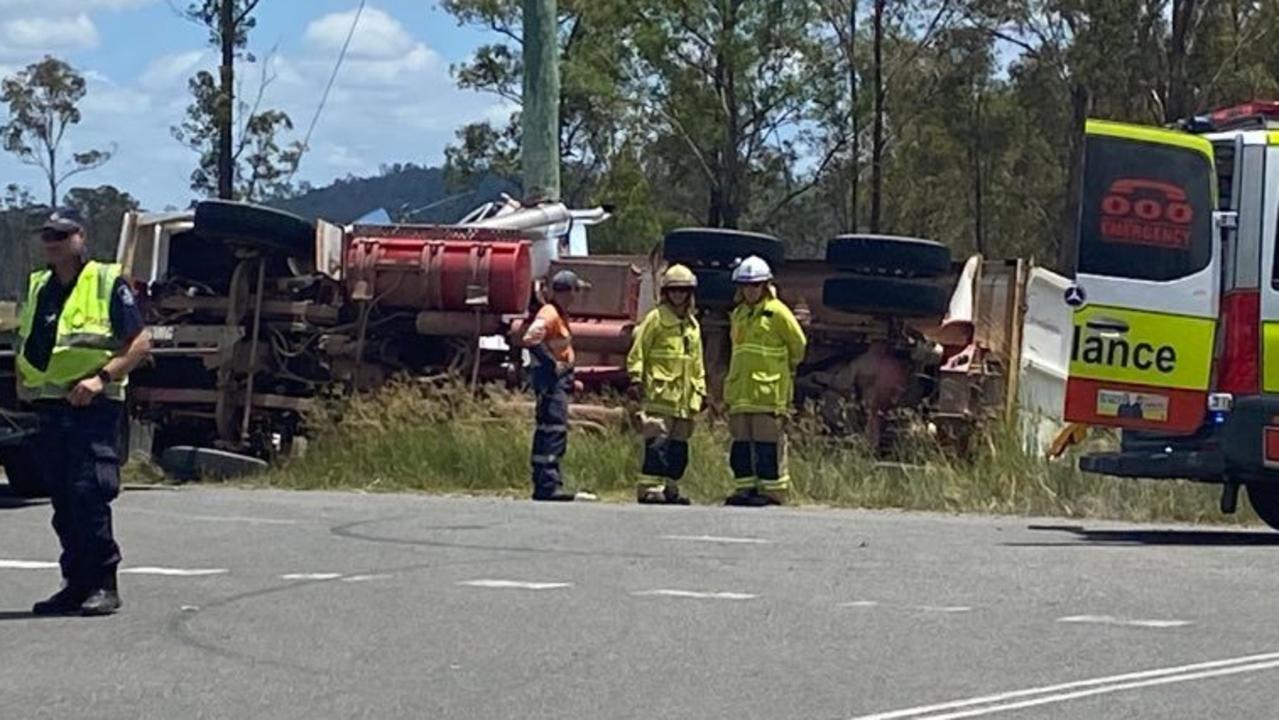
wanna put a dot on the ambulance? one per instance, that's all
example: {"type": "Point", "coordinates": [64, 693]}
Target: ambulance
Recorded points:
{"type": "Point", "coordinates": [1175, 299]}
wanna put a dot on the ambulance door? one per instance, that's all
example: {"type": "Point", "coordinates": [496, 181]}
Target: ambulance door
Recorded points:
{"type": "Point", "coordinates": [1148, 276]}
{"type": "Point", "coordinates": [1270, 270]}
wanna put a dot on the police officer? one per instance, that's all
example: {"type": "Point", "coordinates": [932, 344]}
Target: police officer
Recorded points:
{"type": "Point", "coordinates": [81, 335]}
{"type": "Point", "coordinates": [667, 372]}
{"type": "Point", "coordinates": [550, 343]}
{"type": "Point", "coordinates": [768, 346]}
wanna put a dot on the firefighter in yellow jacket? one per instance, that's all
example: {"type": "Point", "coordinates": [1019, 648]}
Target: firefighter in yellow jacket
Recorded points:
{"type": "Point", "coordinates": [667, 372]}
{"type": "Point", "coordinates": [768, 347]}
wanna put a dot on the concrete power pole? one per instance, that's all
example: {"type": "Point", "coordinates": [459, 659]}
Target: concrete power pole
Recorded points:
{"type": "Point", "coordinates": [540, 145]}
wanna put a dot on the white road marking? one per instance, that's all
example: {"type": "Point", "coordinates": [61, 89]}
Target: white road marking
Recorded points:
{"type": "Point", "coordinates": [311, 576]}
{"type": "Point", "coordinates": [695, 594]}
{"type": "Point", "coordinates": [943, 608]}
{"type": "Point", "coordinates": [172, 572]}
{"type": "Point", "coordinates": [27, 565]}
{"type": "Point", "coordinates": [717, 539]}
{"type": "Point", "coordinates": [364, 578]}
{"type": "Point", "coordinates": [990, 704]}
{"type": "Point", "coordinates": [1111, 620]}
{"type": "Point", "coordinates": [860, 604]}
{"type": "Point", "coordinates": [515, 584]}
{"type": "Point", "coordinates": [212, 518]}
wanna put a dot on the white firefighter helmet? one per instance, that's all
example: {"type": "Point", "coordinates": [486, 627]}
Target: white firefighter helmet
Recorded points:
{"type": "Point", "coordinates": [752, 270]}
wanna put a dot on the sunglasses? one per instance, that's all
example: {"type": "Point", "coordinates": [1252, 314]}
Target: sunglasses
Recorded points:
{"type": "Point", "coordinates": [54, 235]}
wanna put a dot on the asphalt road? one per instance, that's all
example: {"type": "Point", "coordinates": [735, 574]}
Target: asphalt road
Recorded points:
{"type": "Point", "coordinates": [257, 604]}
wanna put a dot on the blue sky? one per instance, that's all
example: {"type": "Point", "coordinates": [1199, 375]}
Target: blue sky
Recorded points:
{"type": "Point", "coordinates": [394, 100]}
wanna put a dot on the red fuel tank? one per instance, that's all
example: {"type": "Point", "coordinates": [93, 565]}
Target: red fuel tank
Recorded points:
{"type": "Point", "coordinates": [440, 268]}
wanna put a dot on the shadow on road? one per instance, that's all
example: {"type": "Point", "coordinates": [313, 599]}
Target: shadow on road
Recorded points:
{"type": "Point", "coordinates": [10, 500]}
{"type": "Point", "coordinates": [1082, 536]}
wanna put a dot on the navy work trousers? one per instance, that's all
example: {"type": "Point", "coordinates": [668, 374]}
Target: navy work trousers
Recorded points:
{"type": "Point", "coordinates": [78, 454]}
{"type": "Point", "coordinates": [550, 439]}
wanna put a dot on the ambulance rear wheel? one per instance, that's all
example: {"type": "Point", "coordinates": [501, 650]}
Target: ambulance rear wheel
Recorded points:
{"type": "Point", "coordinates": [1264, 498]}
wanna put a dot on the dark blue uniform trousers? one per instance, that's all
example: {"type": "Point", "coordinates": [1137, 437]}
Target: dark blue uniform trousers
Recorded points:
{"type": "Point", "coordinates": [550, 439]}
{"type": "Point", "coordinates": [77, 449]}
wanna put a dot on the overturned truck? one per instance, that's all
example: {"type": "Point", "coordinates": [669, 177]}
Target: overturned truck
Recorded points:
{"type": "Point", "coordinates": [256, 314]}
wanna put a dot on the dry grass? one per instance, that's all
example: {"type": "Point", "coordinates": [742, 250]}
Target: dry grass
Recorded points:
{"type": "Point", "coordinates": [444, 439]}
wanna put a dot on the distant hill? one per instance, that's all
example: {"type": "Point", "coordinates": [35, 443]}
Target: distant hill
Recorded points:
{"type": "Point", "coordinates": [408, 192]}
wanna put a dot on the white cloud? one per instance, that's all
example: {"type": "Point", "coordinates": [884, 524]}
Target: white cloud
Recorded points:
{"type": "Point", "coordinates": [378, 35]}
{"type": "Point", "coordinates": [393, 101]}
{"type": "Point", "coordinates": [46, 34]}
{"type": "Point", "coordinates": [53, 7]}
{"type": "Point", "coordinates": [168, 71]}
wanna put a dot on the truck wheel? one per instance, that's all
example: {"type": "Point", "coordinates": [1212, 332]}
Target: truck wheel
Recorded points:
{"type": "Point", "coordinates": [255, 226]}
{"type": "Point", "coordinates": [876, 295]}
{"type": "Point", "coordinates": [888, 255]}
{"type": "Point", "coordinates": [720, 248]}
{"type": "Point", "coordinates": [1264, 498]}
{"type": "Point", "coordinates": [715, 289]}
{"type": "Point", "coordinates": [23, 472]}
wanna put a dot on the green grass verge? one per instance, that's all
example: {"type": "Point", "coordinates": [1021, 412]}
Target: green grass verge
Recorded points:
{"type": "Point", "coordinates": [446, 440]}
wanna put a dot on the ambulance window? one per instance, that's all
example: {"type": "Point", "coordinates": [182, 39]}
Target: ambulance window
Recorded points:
{"type": "Point", "coordinates": [1146, 211]}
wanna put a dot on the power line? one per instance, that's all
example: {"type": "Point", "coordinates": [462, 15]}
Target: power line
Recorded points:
{"type": "Point", "coordinates": [306, 141]}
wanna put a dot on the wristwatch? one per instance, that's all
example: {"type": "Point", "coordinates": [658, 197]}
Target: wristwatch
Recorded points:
{"type": "Point", "coordinates": [104, 376]}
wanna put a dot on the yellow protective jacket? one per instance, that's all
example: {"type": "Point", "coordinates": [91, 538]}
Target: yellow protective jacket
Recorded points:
{"type": "Point", "coordinates": [768, 345]}
{"type": "Point", "coordinates": [666, 360]}
{"type": "Point", "coordinates": [84, 343]}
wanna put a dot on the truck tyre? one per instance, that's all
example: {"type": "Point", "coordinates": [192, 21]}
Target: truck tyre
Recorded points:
{"type": "Point", "coordinates": [23, 472]}
{"type": "Point", "coordinates": [720, 248]}
{"type": "Point", "coordinates": [255, 226]}
{"type": "Point", "coordinates": [1264, 498]}
{"type": "Point", "coordinates": [715, 289]}
{"type": "Point", "coordinates": [877, 295]}
{"type": "Point", "coordinates": [888, 255]}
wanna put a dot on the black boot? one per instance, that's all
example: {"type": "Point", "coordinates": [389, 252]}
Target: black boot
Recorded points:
{"type": "Point", "coordinates": [64, 602]}
{"type": "Point", "coordinates": [103, 601]}
{"type": "Point", "coordinates": [746, 497]}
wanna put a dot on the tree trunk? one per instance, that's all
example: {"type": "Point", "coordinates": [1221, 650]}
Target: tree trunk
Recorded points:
{"type": "Point", "coordinates": [53, 178]}
{"type": "Point", "coordinates": [856, 126]}
{"type": "Point", "coordinates": [226, 100]}
{"type": "Point", "coordinates": [1176, 105]}
{"type": "Point", "coordinates": [877, 140]}
{"type": "Point", "coordinates": [731, 154]}
{"type": "Point", "coordinates": [1067, 244]}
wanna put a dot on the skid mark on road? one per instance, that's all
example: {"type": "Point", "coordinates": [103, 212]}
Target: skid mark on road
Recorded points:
{"type": "Point", "coordinates": [1065, 692]}
{"type": "Point", "coordinates": [1112, 620]}
{"type": "Point", "coordinates": [695, 594]}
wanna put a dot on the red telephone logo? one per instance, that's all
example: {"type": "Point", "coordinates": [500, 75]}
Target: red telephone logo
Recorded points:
{"type": "Point", "coordinates": [1146, 212]}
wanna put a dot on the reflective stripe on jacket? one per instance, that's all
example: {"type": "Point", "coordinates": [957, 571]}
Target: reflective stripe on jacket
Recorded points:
{"type": "Point", "coordinates": [84, 342]}
{"type": "Point", "coordinates": [768, 346]}
{"type": "Point", "coordinates": [666, 360]}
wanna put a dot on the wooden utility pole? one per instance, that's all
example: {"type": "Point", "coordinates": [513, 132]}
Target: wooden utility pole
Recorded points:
{"type": "Point", "coordinates": [540, 142]}
{"type": "Point", "coordinates": [226, 99]}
